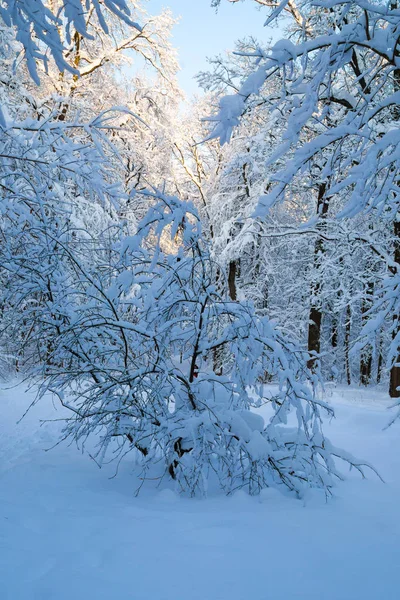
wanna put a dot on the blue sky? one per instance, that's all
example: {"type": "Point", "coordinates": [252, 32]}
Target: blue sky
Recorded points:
{"type": "Point", "coordinates": [202, 32]}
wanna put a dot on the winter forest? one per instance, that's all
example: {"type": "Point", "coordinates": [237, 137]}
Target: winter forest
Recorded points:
{"type": "Point", "coordinates": [199, 304]}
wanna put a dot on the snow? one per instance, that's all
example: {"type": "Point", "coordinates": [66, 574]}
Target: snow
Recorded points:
{"type": "Point", "coordinates": [69, 531]}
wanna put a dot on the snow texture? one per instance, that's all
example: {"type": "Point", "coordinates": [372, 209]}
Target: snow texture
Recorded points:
{"type": "Point", "coordinates": [69, 531]}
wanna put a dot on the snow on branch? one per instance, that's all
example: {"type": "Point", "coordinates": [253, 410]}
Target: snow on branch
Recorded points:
{"type": "Point", "coordinates": [38, 26]}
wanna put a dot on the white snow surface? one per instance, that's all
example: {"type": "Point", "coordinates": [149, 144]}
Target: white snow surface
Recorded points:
{"type": "Point", "coordinates": [70, 532]}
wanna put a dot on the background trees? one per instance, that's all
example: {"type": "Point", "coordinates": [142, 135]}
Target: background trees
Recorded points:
{"type": "Point", "coordinates": [335, 91]}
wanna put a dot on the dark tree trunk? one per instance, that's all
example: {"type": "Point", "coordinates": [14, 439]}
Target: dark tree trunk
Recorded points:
{"type": "Point", "coordinates": [366, 355]}
{"type": "Point", "coordinates": [232, 275]}
{"type": "Point", "coordinates": [380, 362]}
{"type": "Point", "coordinates": [334, 345]}
{"type": "Point", "coordinates": [347, 345]}
{"type": "Point", "coordinates": [365, 368]}
{"type": "Point", "coordinates": [394, 392]}
{"type": "Point", "coordinates": [315, 316]}
{"type": "Point", "coordinates": [314, 334]}
{"type": "Point", "coordinates": [395, 370]}
{"type": "Point", "coordinates": [334, 335]}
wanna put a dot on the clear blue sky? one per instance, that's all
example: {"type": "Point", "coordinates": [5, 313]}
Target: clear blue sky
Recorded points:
{"type": "Point", "coordinates": [202, 32]}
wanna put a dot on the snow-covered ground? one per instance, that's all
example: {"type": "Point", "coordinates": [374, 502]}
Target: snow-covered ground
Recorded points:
{"type": "Point", "coordinates": [69, 532]}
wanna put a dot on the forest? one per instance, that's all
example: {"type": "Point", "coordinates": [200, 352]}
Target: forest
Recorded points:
{"type": "Point", "coordinates": [187, 279]}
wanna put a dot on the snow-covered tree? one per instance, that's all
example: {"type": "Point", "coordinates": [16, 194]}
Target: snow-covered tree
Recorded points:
{"type": "Point", "coordinates": [339, 96]}
{"type": "Point", "coordinates": [40, 25]}
{"type": "Point", "coordinates": [124, 326]}
{"type": "Point", "coordinates": [76, 110]}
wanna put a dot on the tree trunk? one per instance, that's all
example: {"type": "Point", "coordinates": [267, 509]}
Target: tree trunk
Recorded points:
{"type": "Point", "coordinates": [380, 361]}
{"type": "Point", "coordinates": [347, 344]}
{"type": "Point", "coordinates": [314, 334]}
{"type": "Point", "coordinates": [366, 355]}
{"type": "Point", "coordinates": [395, 370]}
{"type": "Point", "coordinates": [394, 392]}
{"type": "Point", "coordinates": [334, 335]}
{"type": "Point", "coordinates": [232, 274]}
{"type": "Point", "coordinates": [365, 368]}
{"type": "Point", "coordinates": [315, 316]}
